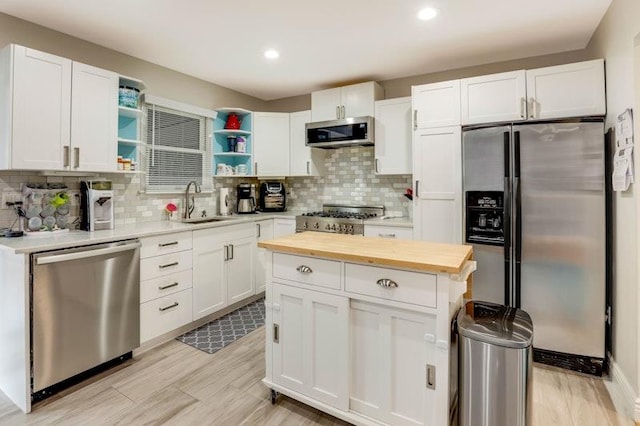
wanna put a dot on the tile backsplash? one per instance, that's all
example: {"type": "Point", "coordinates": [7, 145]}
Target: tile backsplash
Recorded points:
{"type": "Point", "coordinates": [350, 179]}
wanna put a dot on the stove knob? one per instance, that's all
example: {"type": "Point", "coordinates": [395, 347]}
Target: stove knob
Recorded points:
{"type": "Point", "coordinates": [350, 229]}
{"type": "Point", "coordinates": [316, 225]}
{"type": "Point", "coordinates": [327, 227]}
{"type": "Point", "coordinates": [344, 228]}
{"type": "Point", "coordinates": [305, 226]}
{"type": "Point", "coordinates": [335, 227]}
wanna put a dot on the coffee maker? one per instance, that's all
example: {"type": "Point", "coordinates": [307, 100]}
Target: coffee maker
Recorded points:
{"type": "Point", "coordinates": [96, 205]}
{"type": "Point", "coordinates": [246, 198]}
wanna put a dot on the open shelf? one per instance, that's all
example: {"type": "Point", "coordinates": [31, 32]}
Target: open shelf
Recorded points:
{"type": "Point", "coordinates": [125, 141]}
{"type": "Point", "coordinates": [232, 132]}
{"type": "Point", "coordinates": [129, 112]}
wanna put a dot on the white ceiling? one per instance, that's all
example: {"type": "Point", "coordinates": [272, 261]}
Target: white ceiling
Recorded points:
{"type": "Point", "coordinates": [322, 43]}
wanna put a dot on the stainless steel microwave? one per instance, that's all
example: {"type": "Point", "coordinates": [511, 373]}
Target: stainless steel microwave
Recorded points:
{"type": "Point", "coordinates": [339, 133]}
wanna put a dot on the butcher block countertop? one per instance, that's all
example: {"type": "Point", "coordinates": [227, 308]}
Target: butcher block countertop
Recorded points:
{"type": "Point", "coordinates": [403, 254]}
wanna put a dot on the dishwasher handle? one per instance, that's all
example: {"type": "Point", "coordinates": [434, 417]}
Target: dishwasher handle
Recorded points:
{"type": "Point", "coordinates": [87, 253]}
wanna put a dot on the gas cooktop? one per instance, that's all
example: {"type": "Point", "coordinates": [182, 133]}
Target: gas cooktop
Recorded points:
{"type": "Point", "coordinates": [336, 218]}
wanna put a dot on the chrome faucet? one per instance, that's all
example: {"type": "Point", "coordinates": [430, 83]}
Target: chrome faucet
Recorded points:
{"type": "Point", "coordinates": [189, 207]}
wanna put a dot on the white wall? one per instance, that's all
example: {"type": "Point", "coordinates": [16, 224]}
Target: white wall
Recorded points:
{"type": "Point", "coordinates": [614, 41]}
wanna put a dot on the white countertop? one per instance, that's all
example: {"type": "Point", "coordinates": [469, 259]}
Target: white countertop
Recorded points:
{"type": "Point", "coordinates": [30, 244]}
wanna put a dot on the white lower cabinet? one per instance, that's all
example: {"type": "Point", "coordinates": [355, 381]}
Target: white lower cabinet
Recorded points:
{"type": "Point", "coordinates": [310, 344]}
{"type": "Point", "coordinates": [373, 349]}
{"type": "Point", "coordinates": [223, 267]}
{"type": "Point", "coordinates": [165, 314]}
{"type": "Point", "coordinates": [165, 284]}
{"type": "Point", "coordinates": [389, 361]}
{"type": "Point", "coordinates": [284, 226]}
{"type": "Point", "coordinates": [264, 231]}
{"type": "Point", "coordinates": [383, 231]}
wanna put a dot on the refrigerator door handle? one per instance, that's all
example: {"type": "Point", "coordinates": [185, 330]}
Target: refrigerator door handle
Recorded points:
{"type": "Point", "coordinates": [516, 154]}
{"type": "Point", "coordinates": [518, 242]}
{"type": "Point", "coordinates": [506, 152]}
{"type": "Point", "coordinates": [506, 223]}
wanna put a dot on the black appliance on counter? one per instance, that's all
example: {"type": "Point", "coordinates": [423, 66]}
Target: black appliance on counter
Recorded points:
{"type": "Point", "coordinates": [246, 198]}
{"type": "Point", "coordinates": [273, 197]}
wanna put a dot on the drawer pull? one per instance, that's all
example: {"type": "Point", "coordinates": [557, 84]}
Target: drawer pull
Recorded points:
{"type": "Point", "coordinates": [164, 287]}
{"type": "Point", "coordinates": [386, 235]}
{"type": "Point", "coordinates": [386, 282]}
{"type": "Point", "coordinates": [173, 305]}
{"type": "Point", "coordinates": [304, 269]}
{"type": "Point", "coordinates": [172, 243]}
{"type": "Point", "coordinates": [168, 265]}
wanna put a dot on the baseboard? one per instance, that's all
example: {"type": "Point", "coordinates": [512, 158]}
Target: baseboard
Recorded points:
{"type": "Point", "coordinates": [622, 394]}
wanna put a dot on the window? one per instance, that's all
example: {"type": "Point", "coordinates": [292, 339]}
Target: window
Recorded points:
{"type": "Point", "coordinates": [177, 150]}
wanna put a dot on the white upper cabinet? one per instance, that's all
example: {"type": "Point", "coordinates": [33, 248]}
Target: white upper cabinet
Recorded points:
{"type": "Point", "coordinates": [56, 114]}
{"type": "Point", "coordinates": [94, 119]}
{"type": "Point", "coordinates": [271, 143]}
{"type": "Point", "coordinates": [571, 90]}
{"type": "Point", "coordinates": [494, 98]}
{"type": "Point", "coordinates": [35, 111]}
{"type": "Point", "coordinates": [562, 91]}
{"type": "Point", "coordinates": [304, 161]}
{"type": "Point", "coordinates": [393, 136]}
{"type": "Point", "coordinates": [356, 100]}
{"type": "Point", "coordinates": [436, 104]}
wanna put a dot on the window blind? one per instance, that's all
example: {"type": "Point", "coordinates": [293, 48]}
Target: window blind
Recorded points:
{"type": "Point", "coordinates": [178, 150]}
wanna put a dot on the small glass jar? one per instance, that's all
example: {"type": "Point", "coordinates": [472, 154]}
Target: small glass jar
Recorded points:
{"type": "Point", "coordinates": [127, 164]}
{"type": "Point", "coordinates": [120, 163]}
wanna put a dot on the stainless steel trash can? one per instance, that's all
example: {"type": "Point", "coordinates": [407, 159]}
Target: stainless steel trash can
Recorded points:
{"type": "Point", "coordinates": [495, 363]}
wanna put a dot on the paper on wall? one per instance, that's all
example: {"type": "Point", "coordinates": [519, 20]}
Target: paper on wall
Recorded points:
{"type": "Point", "coordinates": [623, 157]}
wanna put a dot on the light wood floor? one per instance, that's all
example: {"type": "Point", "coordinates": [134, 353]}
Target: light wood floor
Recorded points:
{"type": "Point", "coordinates": [176, 384]}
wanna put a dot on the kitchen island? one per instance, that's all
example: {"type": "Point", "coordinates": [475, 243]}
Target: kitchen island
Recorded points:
{"type": "Point", "coordinates": [360, 327]}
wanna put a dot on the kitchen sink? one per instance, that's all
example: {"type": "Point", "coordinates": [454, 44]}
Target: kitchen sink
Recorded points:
{"type": "Point", "coordinates": [197, 220]}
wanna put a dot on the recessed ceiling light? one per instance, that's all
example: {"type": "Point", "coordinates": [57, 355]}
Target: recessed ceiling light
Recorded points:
{"type": "Point", "coordinates": [427, 13]}
{"type": "Point", "coordinates": [271, 54]}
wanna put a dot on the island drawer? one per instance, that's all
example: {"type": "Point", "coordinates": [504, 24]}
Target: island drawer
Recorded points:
{"type": "Point", "coordinates": [307, 270]}
{"type": "Point", "coordinates": [166, 264]}
{"type": "Point", "coordinates": [164, 314]}
{"type": "Point", "coordinates": [391, 284]}
{"type": "Point", "coordinates": [168, 284]}
{"type": "Point", "coordinates": [164, 244]}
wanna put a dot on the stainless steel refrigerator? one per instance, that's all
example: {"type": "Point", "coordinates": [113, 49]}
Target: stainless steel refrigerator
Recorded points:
{"type": "Point", "coordinates": [535, 212]}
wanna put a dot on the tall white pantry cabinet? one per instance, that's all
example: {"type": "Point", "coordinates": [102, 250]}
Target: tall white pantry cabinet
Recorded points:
{"type": "Point", "coordinates": [437, 163]}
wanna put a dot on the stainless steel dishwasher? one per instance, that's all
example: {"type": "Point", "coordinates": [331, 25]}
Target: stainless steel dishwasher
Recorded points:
{"type": "Point", "coordinates": [85, 309]}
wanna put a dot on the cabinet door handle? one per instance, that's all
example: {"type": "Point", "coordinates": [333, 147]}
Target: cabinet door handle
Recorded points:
{"type": "Point", "coordinates": [226, 252]}
{"type": "Point", "coordinates": [376, 165]}
{"type": "Point", "coordinates": [173, 305]}
{"type": "Point", "coordinates": [532, 112]}
{"type": "Point", "coordinates": [416, 193]}
{"type": "Point", "coordinates": [343, 114]}
{"type": "Point", "coordinates": [231, 250]}
{"type": "Point", "coordinates": [66, 156]}
{"type": "Point", "coordinates": [76, 151]}
{"type": "Point", "coordinates": [258, 230]}
{"type": "Point", "coordinates": [167, 265]}
{"type": "Point", "coordinates": [255, 167]}
{"type": "Point", "coordinates": [308, 173]}
{"type": "Point", "coordinates": [304, 269]}
{"type": "Point", "coordinates": [276, 333]}
{"type": "Point", "coordinates": [387, 235]}
{"type": "Point", "coordinates": [338, 111]}
{"type": "Point", "coordinates": [386, 282]}
{"type": "Point", "coordinates": [523, 107]}
{"type": "Point", "coordinates": [415, 119]}
{"type": "Point", "coordinates": [431, 376]}
{"type": "Point", "coordinates": [172, 243]}
{"type": "Point", "coordinates": [164, 287]}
